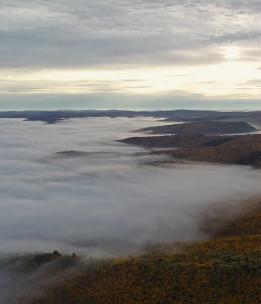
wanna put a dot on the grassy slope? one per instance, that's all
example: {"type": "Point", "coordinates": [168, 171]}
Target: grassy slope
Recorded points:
{"type": "Point", "coordinates": [225, 269]}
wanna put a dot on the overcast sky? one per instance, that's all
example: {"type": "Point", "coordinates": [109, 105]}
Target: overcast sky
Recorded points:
{"type": "Point", "coordinates": [96, 53]}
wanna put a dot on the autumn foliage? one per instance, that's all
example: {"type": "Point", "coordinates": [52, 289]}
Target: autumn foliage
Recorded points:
{"type": "Point", "coordinates": [225, 269]}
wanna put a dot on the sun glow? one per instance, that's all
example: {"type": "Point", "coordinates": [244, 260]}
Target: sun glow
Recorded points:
{"type": "Point", "coordinates": [231, 52]}
{"type": "Point", "coordinates": [231, 77]}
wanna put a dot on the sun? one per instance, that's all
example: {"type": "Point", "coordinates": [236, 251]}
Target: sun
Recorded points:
{"type": "Point", "coordinates": [231, 52]}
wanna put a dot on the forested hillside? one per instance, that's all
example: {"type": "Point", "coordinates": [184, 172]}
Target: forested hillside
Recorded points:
{"type": "Point", "coordinates": [224, 269]}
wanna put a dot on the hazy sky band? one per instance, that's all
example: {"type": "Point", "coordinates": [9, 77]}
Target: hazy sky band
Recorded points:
{"type": "Point", "coordinates": [172, 50]}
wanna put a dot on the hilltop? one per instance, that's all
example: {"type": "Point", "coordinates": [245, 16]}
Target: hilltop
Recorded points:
{"type": "Point", "coordinates": [203, 127]}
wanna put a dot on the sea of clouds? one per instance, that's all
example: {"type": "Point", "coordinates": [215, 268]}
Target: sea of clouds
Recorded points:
{"type": "Point", "coordinates": [71, 186]}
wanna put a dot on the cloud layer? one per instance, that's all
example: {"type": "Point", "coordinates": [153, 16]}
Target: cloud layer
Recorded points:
{"type": "Point", "coordinates": [207, 50]}
{"type": "Point", "coordinates": [40, 34]}
{"type": "Point", "coordinates": [100, 197]}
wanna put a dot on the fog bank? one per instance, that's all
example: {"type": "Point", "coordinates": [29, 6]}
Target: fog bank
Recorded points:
{"type": "Point", "coordinates": [71, 187]}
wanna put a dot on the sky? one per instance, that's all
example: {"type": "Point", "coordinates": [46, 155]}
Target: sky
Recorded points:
{"type": "Point", "coordinates": [130, 54]}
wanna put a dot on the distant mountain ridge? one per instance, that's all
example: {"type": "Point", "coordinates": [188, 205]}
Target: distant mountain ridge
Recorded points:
{"type": "Point", "coordinates": [171, 115]}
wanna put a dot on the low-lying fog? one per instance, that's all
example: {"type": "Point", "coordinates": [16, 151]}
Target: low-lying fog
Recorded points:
{"type": "Point", "coordinates": [71, 187]}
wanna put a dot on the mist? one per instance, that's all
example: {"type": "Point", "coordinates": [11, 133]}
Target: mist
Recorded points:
{"type": "Point", "coordinates": [71, 186]}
